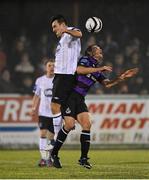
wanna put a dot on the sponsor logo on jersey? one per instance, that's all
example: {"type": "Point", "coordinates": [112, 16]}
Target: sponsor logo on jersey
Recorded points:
{"type": "Point", "coordinates": [48, 92]}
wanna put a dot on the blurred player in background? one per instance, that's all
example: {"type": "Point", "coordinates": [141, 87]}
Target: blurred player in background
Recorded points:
{"type": "Point", "coordinates": [66, 58]}
{"type": "Point", "coordinates": [41, 105]}
{"type": "Point", "coordinates": [76, 109]}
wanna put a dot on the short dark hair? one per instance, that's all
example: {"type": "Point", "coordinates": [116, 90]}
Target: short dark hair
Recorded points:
{"type": "Point", "coordinates": [89, 50]}
{"type": "Point", "coordinates": [59, 18]}
{"type": "Point", "coordinates": [47, 60]}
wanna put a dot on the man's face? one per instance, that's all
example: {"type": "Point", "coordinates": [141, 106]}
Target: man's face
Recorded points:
{"type": "Point", "coordinates": [57, 28]}
{"type": "Point", "coordinates": [97, 53]}
{"type": "Point", "coordinates": [50, 68]}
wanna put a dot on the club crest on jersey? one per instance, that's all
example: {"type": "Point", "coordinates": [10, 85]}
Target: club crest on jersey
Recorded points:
{"type": "Point", "coordinates": [68, 111]}
{"type": "Point", "coordinates": [56, 97]}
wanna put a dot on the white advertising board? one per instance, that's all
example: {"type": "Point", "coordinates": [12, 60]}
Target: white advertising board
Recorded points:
{"type": "Point", "coordinates": [115, 120]}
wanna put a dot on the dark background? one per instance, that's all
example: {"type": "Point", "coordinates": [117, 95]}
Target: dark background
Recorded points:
{"type": "Point", "coordinates": [28, 21]}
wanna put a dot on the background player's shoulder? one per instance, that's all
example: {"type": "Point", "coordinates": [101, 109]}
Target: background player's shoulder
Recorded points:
{"type": "Point", "coordinates": [40, 78]}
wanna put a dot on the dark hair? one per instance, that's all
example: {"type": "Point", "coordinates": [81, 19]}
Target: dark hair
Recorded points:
{"type": "Point", "coordinates": [89, 50]}
{"type": "Point", "coordinates": [59, 18]}
{"type": "Point", "coordinates": [46, 61]}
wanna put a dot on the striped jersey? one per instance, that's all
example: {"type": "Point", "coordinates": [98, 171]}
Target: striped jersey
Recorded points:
{"type": "Point", "coordinates": [84, 82]}
{"type": "Point", "coordinates": [67, 54]}
{"type": "Point", "coordinates": [43, 89]}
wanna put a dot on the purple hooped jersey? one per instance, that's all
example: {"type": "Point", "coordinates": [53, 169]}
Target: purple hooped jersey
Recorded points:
{"type": "Point", "coordinates": [84, 82]}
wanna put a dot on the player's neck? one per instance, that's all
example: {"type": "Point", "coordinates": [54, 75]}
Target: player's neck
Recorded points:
{"type": "Point", "coordinates": [49, 75]}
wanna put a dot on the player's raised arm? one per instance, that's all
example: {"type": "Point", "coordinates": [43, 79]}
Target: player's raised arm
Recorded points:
{"type": "Point", "coordinates": [127, 74]}
{"type": "Point", "coordinates": [74, 32]}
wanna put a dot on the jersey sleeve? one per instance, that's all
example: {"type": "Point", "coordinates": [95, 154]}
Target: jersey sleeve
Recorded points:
{"type": "Point", "coordinates": [36, 88]}
{"type": "Point", "coordinates": [83, 62]}
{"type": "Point", "coordinates": [70, 37]}
{"type": "Point", "coordinates": [73, 28]}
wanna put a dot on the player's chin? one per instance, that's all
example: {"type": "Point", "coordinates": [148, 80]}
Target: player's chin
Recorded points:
{"type": "Point", "coordinates": [58, 34]}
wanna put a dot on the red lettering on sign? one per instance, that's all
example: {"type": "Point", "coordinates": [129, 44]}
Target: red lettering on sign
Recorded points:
{"type": "Point", "coordinates": [121, 109]}
{"type": "Point", "coordinates": [93, 108]}
{"type": "Point", "coordinates": [136, 108]}
{"type": "Point", "coordinates": [128, 123]}
{"type": "Point", "coordinates": [143, 121]}
{"type": "Point", "coordinates": [110, 123]}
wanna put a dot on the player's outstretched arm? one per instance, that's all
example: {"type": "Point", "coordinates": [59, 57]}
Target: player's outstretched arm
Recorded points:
{"type": "Point", "coordinates": [88, 70]}
{"type": "Point", "coordinates": [74, 33]}
{"type": "Point", "coordinates": [127, 74]}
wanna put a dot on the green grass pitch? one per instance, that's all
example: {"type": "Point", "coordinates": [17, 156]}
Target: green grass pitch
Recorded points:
{"type": "Point", "coordinates": [107, 164]}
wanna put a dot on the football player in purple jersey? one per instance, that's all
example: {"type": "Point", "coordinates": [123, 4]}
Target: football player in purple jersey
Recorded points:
{"type": "Point", "coordinates": [76, 108]}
